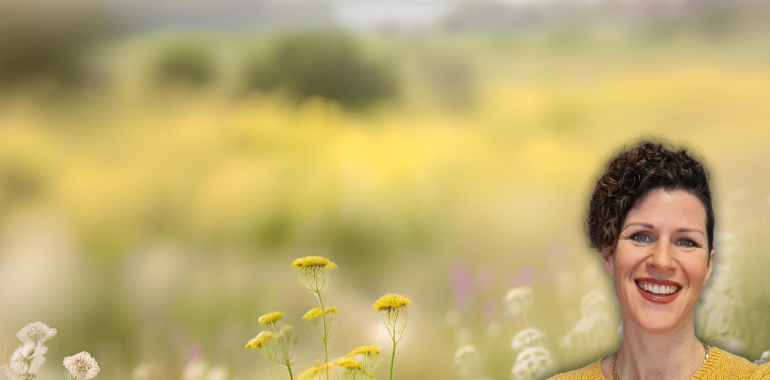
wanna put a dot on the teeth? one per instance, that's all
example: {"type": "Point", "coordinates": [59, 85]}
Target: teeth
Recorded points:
{"type": "Point", "coordinates": [658, 289]}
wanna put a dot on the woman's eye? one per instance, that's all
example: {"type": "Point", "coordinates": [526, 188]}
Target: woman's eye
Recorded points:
{"type": "Point", "coordinates": [686, 243]}
{"type": "Point", "coordinates": [642, 238]}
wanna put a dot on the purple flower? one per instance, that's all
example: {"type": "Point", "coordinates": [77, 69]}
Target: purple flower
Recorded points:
{"type": "Point", "coordinates": [526, 276]}
{"type": "Point", "coordinates": [462, 285]}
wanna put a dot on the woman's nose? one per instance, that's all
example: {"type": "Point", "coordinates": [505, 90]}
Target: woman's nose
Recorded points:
{"type": "Point", "coordinates": [663, 257]}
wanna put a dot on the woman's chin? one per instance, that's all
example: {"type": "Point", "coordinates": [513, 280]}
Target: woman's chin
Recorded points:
{"type": "Point", "coordinates": [654, 323]}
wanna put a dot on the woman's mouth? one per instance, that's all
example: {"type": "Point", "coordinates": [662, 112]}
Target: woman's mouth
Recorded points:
{"type": "Point", "coordinates": [658, 291]}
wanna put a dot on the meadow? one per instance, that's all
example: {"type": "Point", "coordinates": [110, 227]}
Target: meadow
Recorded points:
{"type": "Point", "coordinates": [151, 215]}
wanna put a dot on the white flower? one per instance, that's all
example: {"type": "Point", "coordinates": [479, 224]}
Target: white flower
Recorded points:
{"type": "Point", "coordinates": [585, 328]}
{"type": "Point", "coordinates": [468, 360]}
{"type": "Point", "coordinates": [519, 299]}
{"type": "Point", "coordinates": [217, 373]}
{"type": "Point", "coordinates": [764, 359]}
{"type": "Point", "coordinates": [81, 365]}
{"type": "Point", "coordinates": [533, 363]}
{"type": "Point", "coordinates": [27, 359]}
{"type": "Point", "coordinates": [6, 373]}
{"type": "Point", "coordinates": [143, 371]}
{"type": "Point", "coordinates": [36, 332]}
{"type": "Point", "coordinates": [195, 369]}
{"type": "Point", "coordinates": [592, 302]}
{"type": "Point", "coordinates": [527, 337]}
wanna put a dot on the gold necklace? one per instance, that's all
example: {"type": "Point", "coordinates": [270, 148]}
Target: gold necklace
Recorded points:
{"type": "Point", "coordinates": [615, 356]}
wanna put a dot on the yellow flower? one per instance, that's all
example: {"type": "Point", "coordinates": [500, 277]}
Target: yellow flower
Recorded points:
{"type": "Point", "coordinates": [286, 331]}
{"type": "Point", "coordinates": [316, 312]}
{"type": "Point", "coordinates": [260, 340]}
{"type": "Point", "coordinates": [348, 363]}
{"type": "Point", "coordinates": [313, 261]}
{"type": "Point", "coordinates": [364, 350]}
{"type": "Point", "coordinates": [311, 373]}
{"type": "Point", "coordinates": [271, 318]}
{"type": "Point", "coordinates": [390, 302]}
{"type": "Point", "coordinates": [312, 314]}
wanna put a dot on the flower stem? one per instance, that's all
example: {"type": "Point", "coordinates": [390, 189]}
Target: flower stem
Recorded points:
{"type": "Point", "coordinates": [290, 374]}
{"type": "Point", "coordinates": [326, 337]}
{"type": "Point", "coordinates": [392, 359]}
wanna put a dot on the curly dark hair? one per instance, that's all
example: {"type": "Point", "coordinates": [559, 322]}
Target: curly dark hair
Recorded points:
{"type": "Point", "coordinates": [631, 175]}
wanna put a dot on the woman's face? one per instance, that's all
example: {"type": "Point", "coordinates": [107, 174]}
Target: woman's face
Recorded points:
{"type": "Point", "coordinates": [660, 260]}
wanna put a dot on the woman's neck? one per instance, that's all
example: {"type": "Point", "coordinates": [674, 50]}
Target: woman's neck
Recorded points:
{"type": "Point", "coordinates": [673, 356]}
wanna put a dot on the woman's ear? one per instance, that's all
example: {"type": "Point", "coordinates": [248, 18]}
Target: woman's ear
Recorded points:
{"type": "Point", "coordinates": [609, 261]}
{"type": "Point", "coordinates": [709, 268]}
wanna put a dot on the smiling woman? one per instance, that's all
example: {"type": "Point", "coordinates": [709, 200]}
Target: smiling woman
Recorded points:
{"type": "Point", "coordinates": [651, 218]}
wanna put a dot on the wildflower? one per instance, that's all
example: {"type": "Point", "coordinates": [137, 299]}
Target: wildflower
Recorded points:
{"type": "Point", "coordinates": [313, 261]}
{"type": "Point", "coordinates": [316, 312]}
{"type": "Point", "coordinates": [348, 363]}
{"type": "Point", "coordinates": [286, 334]}
{"type": "Point", "coordinates": [586, 329]}
{"type": "Point", "coordinates": [322, 329]}
{"type": "Point", "coordinates": [533, 363]}
{"type": "Point", "coordinates": [217, 373]}
{"type": "Point", "coordinates": [391, 302]}
{"type": "Point", "coordinates": [270, 318]}
{"type": "Point", "coordinates": [468, 361]}
{"type": "Point", "coordinates": [364, 350]}
{"type": "Point", "coordinates": [277, 348]}
{"type": "Point", "coordinates": [81, 366]}
{"type": "Point", "coordinates": [369, 356]}
{"type": "Point", "coordinates": [195, 369]}
{"type": "Point", "coordinates": [594, 322]}
{"type": "Point", "coordinates": [764, 359]}
{"type": "Point", "coordinates": [28, 357]}
{"type": "Point", "coordinates": [526, 338]}
{"type": "Point", "coordinates": [7, 374]}
{"type": "Point", "coordinates": [592, 302]}
{"type": "Point", "coordinates": [314, 372]}
{"type": "Point", "coordinates": [312, 271]}
{"type": "Point", "coordinates": [390, 307]}
{"type": "Point", "coordinates": [143, 371]}
{"type": "Point", "coordinates": [351, 368]}
{"type": "Point", "coordinates": [36, 332]}
{"type": "Point", "coordinates": [518, 300]}
{"type": "Point", "coordinates": [311, 274]}
{"type": "Point", "coordinates": [260, 340]}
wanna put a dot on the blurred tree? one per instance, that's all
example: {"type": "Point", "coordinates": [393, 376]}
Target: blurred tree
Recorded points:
{"type": "Point", "coordinates": [186, 63]}
{"type": "Point", "coordinates": [329, 64]}
{"type": "Point", "coordinates": [47, 40]}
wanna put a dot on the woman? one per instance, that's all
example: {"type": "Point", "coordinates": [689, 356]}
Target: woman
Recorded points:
{"type": "Point", "coordinates": [651, 217]}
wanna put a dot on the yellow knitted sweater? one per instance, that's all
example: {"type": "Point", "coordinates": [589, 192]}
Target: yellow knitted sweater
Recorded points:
{"type": "Point", "coordinates": [720, 365]}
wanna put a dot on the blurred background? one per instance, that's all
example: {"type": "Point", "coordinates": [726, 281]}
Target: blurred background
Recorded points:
{"type": "Point", "coordinates": [163, 162]}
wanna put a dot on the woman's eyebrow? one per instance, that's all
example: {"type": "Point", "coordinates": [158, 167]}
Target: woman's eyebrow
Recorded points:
{"type": "Point", "coordinates": [648, 225]}
{"type": "Point", "coordinates": [690, 230]}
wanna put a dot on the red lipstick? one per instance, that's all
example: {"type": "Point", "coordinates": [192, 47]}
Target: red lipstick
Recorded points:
{"type": "Point", "coordinates": [658, 299]}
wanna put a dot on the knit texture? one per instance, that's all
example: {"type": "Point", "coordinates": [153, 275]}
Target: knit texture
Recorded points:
{"type": "Point", "coordinates": [720, 365]}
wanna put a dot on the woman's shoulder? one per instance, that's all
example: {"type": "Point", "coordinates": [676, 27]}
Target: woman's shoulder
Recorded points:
{"type": "Point", "coordinates": [727, 365]}
{"type": "Point", "coordinates": [592, 371]}
{"type": "Point", "coordinates": [721, 365]}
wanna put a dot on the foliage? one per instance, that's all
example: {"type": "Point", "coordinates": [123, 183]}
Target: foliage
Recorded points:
{"type": "Point", "coordinates": [329, 64]}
